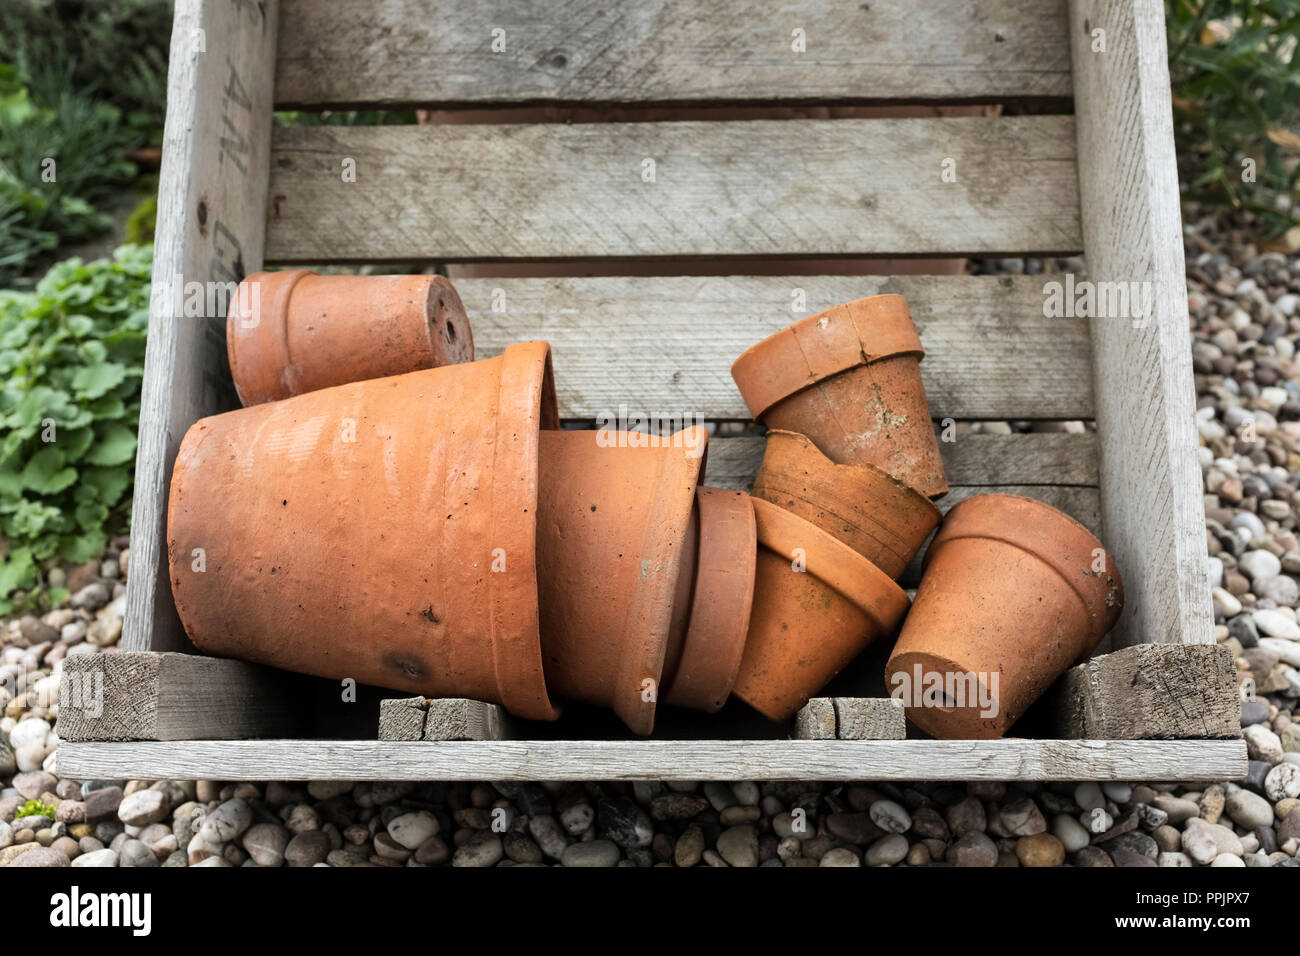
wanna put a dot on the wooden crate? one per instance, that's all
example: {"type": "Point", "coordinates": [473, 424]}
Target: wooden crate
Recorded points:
{"type": "Point", "coordinates": [794, 197]}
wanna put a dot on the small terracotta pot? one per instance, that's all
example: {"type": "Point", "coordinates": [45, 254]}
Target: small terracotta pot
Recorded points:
{"type": "Point", "coordinates": [806, 625]}
{"type": "Point", "coordinates": [293, 332]}
{"type": "Point", "coordinates": [875, 514]}
{"type": "Point", "coordinates": [1013, 588]}
{"type": "Point", "coordinates": [611, 531]}
{"type": "Point", "coordinates": [702, 664]}
{"type": "Point", "coordinates": [849, 378]}
{"type": "Point", "coordinates": [382, 530]}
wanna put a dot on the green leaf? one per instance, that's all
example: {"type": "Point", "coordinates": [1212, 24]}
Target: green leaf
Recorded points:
{"type": "Point", "coordinates": [45, 472]}
{"type": "Point", "coordinates": [81, 548]}
{"type": "Point", "coordinates": [114, 445]}
{"type": "Point", "coordinates": [107, 483]}
{"type": "Point", "coordinates": [92, 381]}
{"type": "Point", "coordinates": [17, 571]}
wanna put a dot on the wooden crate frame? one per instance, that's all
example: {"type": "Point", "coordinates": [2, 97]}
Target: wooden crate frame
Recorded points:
{"type": "Point", "coordinates": [1103, 181]}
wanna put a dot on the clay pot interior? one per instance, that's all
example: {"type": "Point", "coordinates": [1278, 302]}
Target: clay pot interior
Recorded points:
{"type": "Point", "coordinates": [612, 530]}
{"type": "Point", "coordinates": [293, 332]}
{"type": "Point", "coordinates": [1013, 593]}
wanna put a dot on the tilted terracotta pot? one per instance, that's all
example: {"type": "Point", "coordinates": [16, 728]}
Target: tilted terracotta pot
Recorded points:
{"type": "Point", "coordinates": [1014, 593]}
{"type": "Point", "coordinates": [611, 531]}
{"type": "Point", "coordinates": [849, 378]}
{"type": "Point", "coordinates": [807, 624]}
{"type": "Point", "coordinates": [704, 657]}
{"type": "Point", "coordinates": [293, 332]}
{"type": "Point", "coordinates": [383, 530]}
{"type": "Point", "coordinates": [875, 514]}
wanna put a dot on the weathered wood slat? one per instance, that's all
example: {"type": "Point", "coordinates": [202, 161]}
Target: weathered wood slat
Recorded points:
{"type": "Point", "coordinates": [666, 344]}
{"type": "Point", "coordinates": [362, 52]}
{"type": "Point", "coordinates": [168, 696]}
{"type": "Point", "coordinates": [767, 187]}
{"type": "Point", "coordinates": [657, 760]}
{"type": "Point", "coordinates": [1151, 486]}
{"type": "Point", "coordinates": [972, 461]}
{"type": "Point", "coordinates": [1151, 691]}
{"type": "Point", "coordinates": [211, 217]}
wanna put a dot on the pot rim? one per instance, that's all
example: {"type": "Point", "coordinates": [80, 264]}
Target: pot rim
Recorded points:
{"type": "Point", "coordinates": [527, 402]}
{"type": "Point", "coordinates": [824, 345]}
{"type": "Point", "coordinates": [833, 563]}
{"type": "Point", "coordinates": [855, 476]}
{"type": "Point", "coordinates": [1053, 537]}
{"type": "Point", "coordinates": [266, 342]}
{"type": "Point", "coordinates": [651, 614]}
{"type": "Point", "coordinates": [725, 565]}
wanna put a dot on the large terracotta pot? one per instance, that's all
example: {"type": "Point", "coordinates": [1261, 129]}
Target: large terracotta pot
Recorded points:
{"type": "Point", "coordinates": [612, 525]}
{"type": "Point", "coordinates": [872, 512]}
{"type": "Point", "coordinates": [1014, 592]}
{"type": "Point", "coordinates": [715, 589]}
{"type": "Point", "coordinates": [383, 531]}
{"type": "Point", "coordinates": [806, 625]}
{"type": "Point", "coordinates": [849, 378]}
{"type": "Point", "coordinates": [293, 332]}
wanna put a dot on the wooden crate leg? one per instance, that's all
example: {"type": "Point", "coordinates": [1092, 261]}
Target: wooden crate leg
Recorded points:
{"type": "Point", "coordinates": [148, 695]}
{"type": "Point", "coordinates": [1150, 692]}
{"type": "Point", "coordinates": [850, 718]}
{"type": "Point", "coordinates": [450, 718]}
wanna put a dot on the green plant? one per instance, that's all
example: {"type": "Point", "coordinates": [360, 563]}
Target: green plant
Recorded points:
{"type": "Point", "coordinates": [119, 48]}
{"type": "Point", "coordinates": [34, 808]}
{"type": "Point", "coordinates": [1236, 84]}
{"type": "Point", "coordinates": [71, 360]}
{"type": "Point", "coordinates": [59, 155]}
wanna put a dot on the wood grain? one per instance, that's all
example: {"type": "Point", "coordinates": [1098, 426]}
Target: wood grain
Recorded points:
{"type": "Point", "coordinates": [1152, 760]}
{"type": "Point", "coordinates": [1151, 691]}
{"type": "Point", "coordinates": [211, 216]}
{"type": "Point", "coordinates": [168, 696]}
{"type": "Point", "coordinates": [972, 461]}
{"type": "Point", "coordinates": [435, 52]}
{"type": "Point", "coordinates": [766, 187]}
{"type": "Point", "coordinates": [664, 345]}
{"type": "Point", "coordinates": [1151, 485]}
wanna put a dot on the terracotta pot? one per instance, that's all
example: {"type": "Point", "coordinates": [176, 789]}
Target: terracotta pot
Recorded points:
{"type": "Point", "coordinates": [875, 514]}
{"type": "Point", "coordinates": [849, 378]}
{"type": "Point", "coordinates": [611, 531]}
{"type": "Point", "coordinates": [293, 332]}
{"type": "Point", "coordinates": [1014, 593]}
{"type": "Point", "coordinates": [382, 530]}
{"type": "Point", "coordinates": [806, 625]}
{"type": "Point", "coordinates": [703, 661]}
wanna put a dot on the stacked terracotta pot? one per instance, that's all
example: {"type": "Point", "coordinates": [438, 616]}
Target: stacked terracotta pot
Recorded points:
{"type": "Point", "coordinates": [1013, 591]}
{"type": "Point", "coordinates": [388, 510]}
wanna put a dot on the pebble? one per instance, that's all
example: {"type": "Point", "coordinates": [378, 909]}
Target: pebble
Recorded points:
{"type": "Point", "coordinates": [890, 816]}
{"type": "Point", "coordinates": [1276, 624]}
{"type": "Point", "coordinates": [842, 856]}
{"type": "Point", "coordinates": [1249, 810]}
{"type": "Point", "coordinates": [482, 849]}
{"type": "Point", "coordinates": [412, 829]}
{"type": "Point", "coordinates": [225, 823]}
{"type": "Point", "coordinates": [1283, 781]}
{"type": "Point", "coordinates": [973, 849]}
{"type": "Point", "coordinates": [591, 853]}
{"type": "Point", "coordinates": [306, 849]}
{"type": "Point", "coordinates": [266, 843]}
{"type": "Point", "coordinates": [1040, 849]}
{"type": "Point", "coordinates": [143, 807]}
{"type": "Point", "coordinates": [1071, 834]}
{"type": "Point", "coordinates": [97, 858]}
{"type": "Point", "coordinates": [739, 846]}
{"type": "Point", "coordinates": [1259, 564]}
{"type": "Point", "coordinates": [1262, 744]}
{"type": "Point", "coordinates": [43, 857]}
{"type": "Point", "coordinates": [887, 851]}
